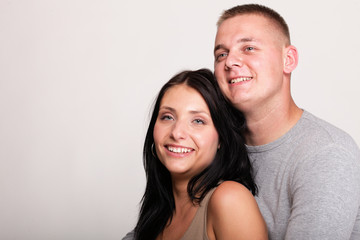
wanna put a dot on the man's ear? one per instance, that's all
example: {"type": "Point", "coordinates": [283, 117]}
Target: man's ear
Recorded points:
{"type": "Point", "coordinates": [290, 59]}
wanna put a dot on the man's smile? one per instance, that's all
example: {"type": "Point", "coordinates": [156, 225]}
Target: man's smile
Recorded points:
{"type": "Point", "coordinates": [240, 79]}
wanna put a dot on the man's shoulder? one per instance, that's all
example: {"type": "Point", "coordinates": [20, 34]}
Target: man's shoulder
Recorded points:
{"type": "Point", "coordinates": [318, 143]}
{"type": "Point", "coordinates": [310, 139]}
{"type": "Point", "coordinates": [322, 133]}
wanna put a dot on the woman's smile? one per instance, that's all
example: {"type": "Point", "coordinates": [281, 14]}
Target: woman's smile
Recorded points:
{"type": "Point", "coordinates": [184, 131]}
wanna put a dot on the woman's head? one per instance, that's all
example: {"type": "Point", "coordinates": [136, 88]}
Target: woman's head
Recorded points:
{"type": "Point", "coordinates": [185, 137]}
{"type": "Point", "coordinates": [227, 159]}
{"type": "Point", "coordinates": [226, 121]}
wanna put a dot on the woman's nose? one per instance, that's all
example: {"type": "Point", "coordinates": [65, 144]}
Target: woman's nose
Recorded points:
{"type": "Point", "coordinates": [179, 130]}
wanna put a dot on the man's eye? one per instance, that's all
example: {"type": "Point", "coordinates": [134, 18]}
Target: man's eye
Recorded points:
{"type": "Point", "coordinates": [249, 49]}
{"type": "Point", "coordinates": [222, 55]}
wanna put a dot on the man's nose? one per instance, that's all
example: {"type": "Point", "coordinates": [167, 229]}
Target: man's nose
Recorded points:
{"type": "Point", "coordinates": [233, 60]}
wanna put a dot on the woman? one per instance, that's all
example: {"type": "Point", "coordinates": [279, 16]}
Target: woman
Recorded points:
{"type": "Point", "coordinates": [199, 183]}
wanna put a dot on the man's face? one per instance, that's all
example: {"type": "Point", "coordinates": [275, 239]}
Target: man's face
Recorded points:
{"type": "Point", "coordinates": [249, 61]}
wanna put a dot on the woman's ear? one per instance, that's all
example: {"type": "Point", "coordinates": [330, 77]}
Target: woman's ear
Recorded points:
{"type": "Point", "coordinates": [290, 59]}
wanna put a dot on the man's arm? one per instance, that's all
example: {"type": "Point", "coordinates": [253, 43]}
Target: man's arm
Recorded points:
{"type": "Point", "coordinates": [129, 236]}
{"type": "Point", "coordinates": [325, 196]}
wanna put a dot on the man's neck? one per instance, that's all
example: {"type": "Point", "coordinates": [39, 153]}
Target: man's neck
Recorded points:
{"type": "Point", "coordinates": [267, 126]}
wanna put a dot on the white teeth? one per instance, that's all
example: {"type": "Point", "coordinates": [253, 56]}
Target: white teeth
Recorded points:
{"type": "Point", "coordinates": [240, 79]}
{"type": "Point", "coordinates": [178, 150]}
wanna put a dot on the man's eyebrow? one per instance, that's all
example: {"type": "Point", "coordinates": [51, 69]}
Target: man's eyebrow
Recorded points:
{"type": "Point", "coordinates": [241, 40]}
{"type": "Point", "coordinates": [246, 40]}
{"type": "Point", "coordinates": [217, 47]}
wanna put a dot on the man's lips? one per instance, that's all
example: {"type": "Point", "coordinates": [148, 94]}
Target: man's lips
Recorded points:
{"type": "Point", "coordinates": [240, 79]}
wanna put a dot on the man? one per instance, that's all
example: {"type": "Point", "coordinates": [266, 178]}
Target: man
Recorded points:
{"type": "Point", "coordinates": [307, 171]}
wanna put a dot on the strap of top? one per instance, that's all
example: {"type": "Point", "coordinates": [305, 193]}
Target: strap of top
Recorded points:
{"type": "Point", "coordinates": [197, 228]}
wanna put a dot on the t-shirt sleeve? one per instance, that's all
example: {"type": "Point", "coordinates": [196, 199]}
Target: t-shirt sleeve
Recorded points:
{"type": "Point", "coordinates": [325, 193]}
{"type": "Point", "coordinates": [129, 236]}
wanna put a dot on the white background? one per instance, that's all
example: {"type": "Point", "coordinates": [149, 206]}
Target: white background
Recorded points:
{"type": "Point", "coordinates": [77, 80]}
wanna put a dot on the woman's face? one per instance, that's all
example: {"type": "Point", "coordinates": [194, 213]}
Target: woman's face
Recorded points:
{"type": "Point", "coordinates": [185, 137]}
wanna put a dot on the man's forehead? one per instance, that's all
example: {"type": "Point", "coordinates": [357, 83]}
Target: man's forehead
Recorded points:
{"type": "Point", "coordinates": [246, 28]}
{"type": "Point", "coordinates": [244, 21]}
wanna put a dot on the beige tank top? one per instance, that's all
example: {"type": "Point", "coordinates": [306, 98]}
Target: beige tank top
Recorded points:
{"type": "Point", "coordinates": [197, 229]}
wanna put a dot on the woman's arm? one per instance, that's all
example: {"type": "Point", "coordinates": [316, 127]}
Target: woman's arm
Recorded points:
{"type": "Point", "coordinates": [234, 214]}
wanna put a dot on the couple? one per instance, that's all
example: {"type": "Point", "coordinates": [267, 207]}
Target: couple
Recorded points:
{"type": "Point", "coordinates": [199, 180]}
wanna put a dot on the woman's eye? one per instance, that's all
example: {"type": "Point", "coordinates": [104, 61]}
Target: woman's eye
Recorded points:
{"type": "Point", "coordinates": [166, 117]}
{"type": "Point", "coordinates": [199, 121]}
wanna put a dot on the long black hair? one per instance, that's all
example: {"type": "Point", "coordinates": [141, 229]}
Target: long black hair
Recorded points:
{"type": "Point", "coordinates": [230, 163]}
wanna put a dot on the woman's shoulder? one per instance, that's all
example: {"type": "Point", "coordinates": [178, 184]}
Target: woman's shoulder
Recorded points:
{"type": "Point", "coordinates": [231, 193]}
{"type": "Point", "coordinates": [233, 211]}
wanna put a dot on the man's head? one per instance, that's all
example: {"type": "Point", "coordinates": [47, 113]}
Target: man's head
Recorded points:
{"type": "Point", "coordinates": [261, 10]}
{"type": "Point", "coordinates": [253, 57]}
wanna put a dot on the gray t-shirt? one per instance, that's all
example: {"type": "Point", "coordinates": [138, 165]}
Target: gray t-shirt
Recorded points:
{"type": "Point", "coordinates": [309, 183]}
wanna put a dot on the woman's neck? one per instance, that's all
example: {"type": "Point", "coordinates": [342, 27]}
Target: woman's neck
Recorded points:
{"type": "Point", "coordinates": [181, 195]}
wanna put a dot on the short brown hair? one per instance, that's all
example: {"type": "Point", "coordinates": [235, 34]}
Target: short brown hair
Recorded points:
{"type": "Point", "coordinates": [257, 9]}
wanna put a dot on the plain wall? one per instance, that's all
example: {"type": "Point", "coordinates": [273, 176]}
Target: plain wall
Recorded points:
{"type": "Point", "coordinates": [77, 81]}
